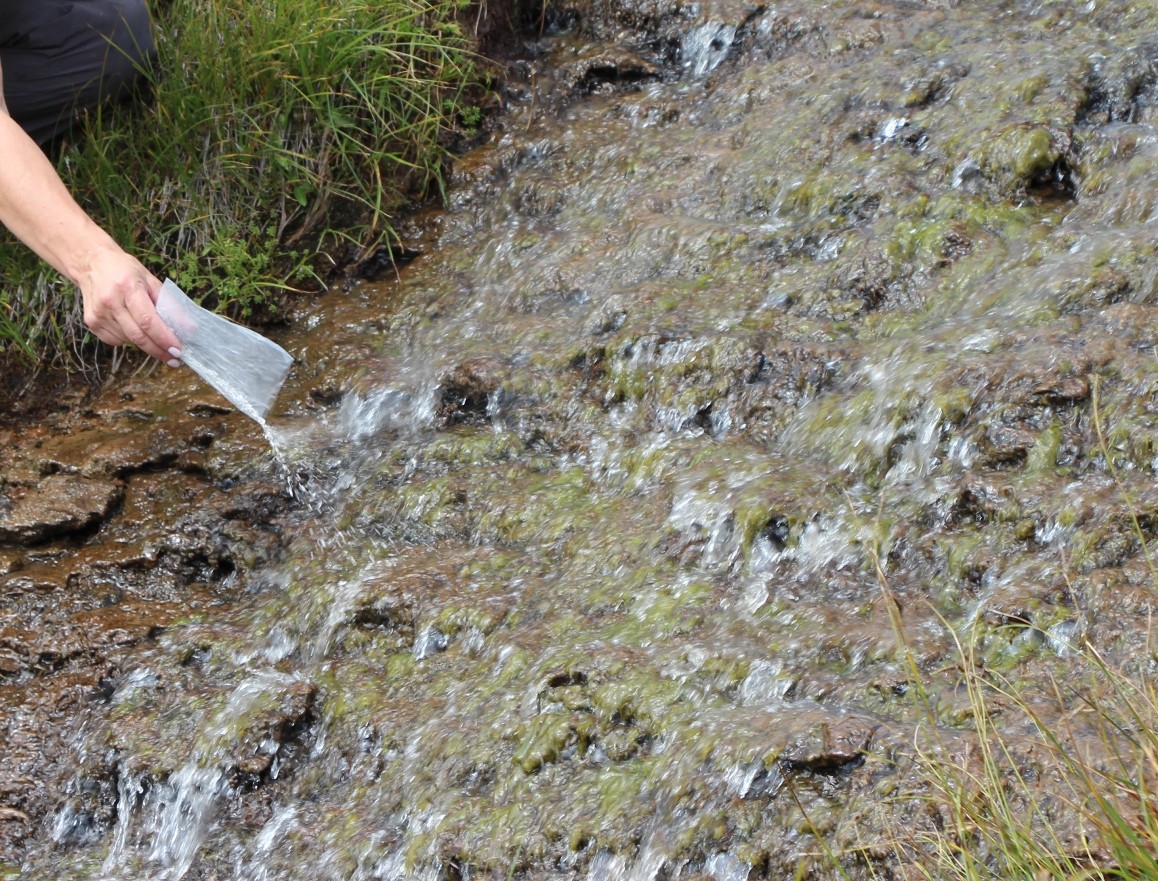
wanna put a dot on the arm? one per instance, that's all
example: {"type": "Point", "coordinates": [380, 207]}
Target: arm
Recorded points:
{"type": "Point", "coordinates": [118, 292]}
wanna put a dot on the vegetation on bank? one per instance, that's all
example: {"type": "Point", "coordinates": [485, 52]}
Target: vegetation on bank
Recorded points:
{"type": "Point", "coordinates": [1099, 822]}
{"type": "Point", "coordinates": [1013, 795]}
{"type": "Point", "coordinates": [987, 814]}
{"type": "Point", "coordinates": [276, 141]}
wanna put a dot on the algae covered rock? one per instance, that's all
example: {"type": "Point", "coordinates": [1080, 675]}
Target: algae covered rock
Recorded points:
{"type": "Point", "coordinates": [1017, 158]}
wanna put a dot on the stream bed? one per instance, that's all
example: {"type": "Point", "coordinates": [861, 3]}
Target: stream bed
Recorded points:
{"type": "Point", "coordinates": [774, 374]}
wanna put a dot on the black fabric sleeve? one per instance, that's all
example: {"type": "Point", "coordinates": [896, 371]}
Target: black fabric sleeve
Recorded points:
{"type": "Point", "coordinates": [63, 58]}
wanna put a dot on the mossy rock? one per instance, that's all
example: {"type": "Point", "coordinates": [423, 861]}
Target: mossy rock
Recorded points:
{"type": "Point", "coordinates": [548, 734]}
{"type": "Point", "coordinates": [1017, 157]}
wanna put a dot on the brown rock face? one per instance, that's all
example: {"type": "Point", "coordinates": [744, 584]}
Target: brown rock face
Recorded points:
{"type": "Point", "coordinates": [60, 504]}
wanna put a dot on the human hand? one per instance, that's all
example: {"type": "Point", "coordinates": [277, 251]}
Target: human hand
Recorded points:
{"type": "Point", "coordinates": [118, 292]}
{"type": "Point", "coordinates": [119, 306]}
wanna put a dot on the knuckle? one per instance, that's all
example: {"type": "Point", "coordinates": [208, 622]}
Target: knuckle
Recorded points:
{"type": "Point", "coordinates": [97, 308]}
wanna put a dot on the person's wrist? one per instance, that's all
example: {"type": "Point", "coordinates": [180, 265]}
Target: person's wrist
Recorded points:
{"type": "Point", "coordinates": [88, 260]}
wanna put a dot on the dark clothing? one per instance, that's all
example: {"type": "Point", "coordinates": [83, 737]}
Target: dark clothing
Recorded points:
{"type": "Point", "coordinates": [61, 58]}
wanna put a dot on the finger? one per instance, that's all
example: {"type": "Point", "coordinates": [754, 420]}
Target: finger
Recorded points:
{"type": "Point", "coordinates": [138, 337]}
{"type": "Point", "coordinates": [132, 332]}
{"type": "Point", "coordinates": [104, 334]}
{"type": "Point", "coordinates": [152, 285]}
{"type": "Point", "coordinates": [150, 332]}
{"type": "Point", "coordinates": [102, 323]}
{"type": "Point", "coordinates": [153, 288]}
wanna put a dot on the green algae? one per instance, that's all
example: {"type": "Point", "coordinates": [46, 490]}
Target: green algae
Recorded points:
{"type": "Point", "coordinates": [1043, 457]}
{"type": "Point", "coordinates": [1015, 157]}
{"type": "Point", "coordinates": [637, 698]}
{"type": "Point", "coordinates": [663, 614]}
{"type": "Point", "coordinates": [547, 735]}
{"type": "Point", "coordinates": [1005, 649]}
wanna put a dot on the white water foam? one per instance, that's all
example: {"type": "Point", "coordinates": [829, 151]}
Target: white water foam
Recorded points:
{"type": "Point", "coordinates": [705, 47]}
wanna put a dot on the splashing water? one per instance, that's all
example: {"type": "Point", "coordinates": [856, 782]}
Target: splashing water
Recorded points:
{"type": "Point", "coordinates": [586, 570]}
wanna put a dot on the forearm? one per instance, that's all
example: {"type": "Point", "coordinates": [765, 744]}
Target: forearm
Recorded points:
{"type": "Point", "coordinates": [38, 209]}
{"type": "Point", "coordinates": [118, 292]}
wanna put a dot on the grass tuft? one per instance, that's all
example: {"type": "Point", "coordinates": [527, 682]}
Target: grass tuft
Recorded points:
{"type": "Point", "coordinates": [1075, 803]}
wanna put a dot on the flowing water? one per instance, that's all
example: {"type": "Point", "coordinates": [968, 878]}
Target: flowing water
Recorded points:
{"type": "Point", "coordinates": [761, 350]}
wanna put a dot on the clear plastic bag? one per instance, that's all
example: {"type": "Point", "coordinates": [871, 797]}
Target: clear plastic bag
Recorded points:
{"type": "Point", "coordinates": [243, 365]}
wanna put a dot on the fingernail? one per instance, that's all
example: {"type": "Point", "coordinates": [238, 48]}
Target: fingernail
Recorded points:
{"type": "Point", "coordinates": [176, 353]}
{"type": "Point", "coordinates": [174, 363]}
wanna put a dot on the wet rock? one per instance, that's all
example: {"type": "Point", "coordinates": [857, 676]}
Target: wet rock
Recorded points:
{"type": "Point", "coordinates": [259, 503]}
{"type": "Point", "coordinates": [392, 602]}
{"type": "Point", "coordinates": [470, 388]}
{"type": "Point", "coordinates": [604, 65]}
{"type": "Point", "coordinates": [1004, 444]}
{"type": "Point", "coordinates": [540, 197]}
{"type": "Point", "coordinates": [1043, 376]}
{"type": "Point", "coordinates": [1063, 390]}
{"type": "Point", "coordinates": [422, 604]}
{"type": "Point", "coordinates": [266, 736]}
{"type": "Point", "coordinates": [39, 577]}
{"type": "Point", "coordinates": [124, 624]}
{"type": "Point", "coordinates": [121, 444]}
{"type": "Point", "coordinates": [18, 650]}
{"type": "Point", "coordinates": [327, 394]}
{"type": "Point", "coordinates": [117, 534]}
{"type": "Point", "coordinates": [1022, 156]}
{"type": "Point", "coordinates": [59, 505]}
{"type": "Point", "coordinates": [828, 745]}
{"type": "Point", "coordinates": [1123, 86]}
{"type": "Point", "coordinates": [208, 407]}
{"type": "Point", "coordinates": [93, 633]}
{"type": "Point", "coordinates": [38, 749]}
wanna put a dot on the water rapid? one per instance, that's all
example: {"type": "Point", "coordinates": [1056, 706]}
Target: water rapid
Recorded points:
{"type": "Point", "coordinates": [764, 356]}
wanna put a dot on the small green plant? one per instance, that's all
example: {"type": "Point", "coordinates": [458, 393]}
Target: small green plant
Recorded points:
{"type": "Point", "coordinates": [1098, 817]}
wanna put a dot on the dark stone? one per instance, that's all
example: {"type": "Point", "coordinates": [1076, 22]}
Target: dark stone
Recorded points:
{"type": "Point", "coordinates": [836, 743]}
{"type": "Point", "coordinates": [605, 64]}
{"type": "Point", "coordinates": [467, 392]}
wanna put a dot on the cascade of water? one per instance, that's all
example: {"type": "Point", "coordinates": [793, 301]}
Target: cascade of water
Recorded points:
{"type": "Point", "coordinates": [256, 866]}
{"type": "Point", "coordinates": [706, 46]}
{"type": "Point", "coordinates": [589, 565]}
{"type": "Point", "coordinates": [175, 816]}
{"type": "Point", "coordinates": [167, 822]}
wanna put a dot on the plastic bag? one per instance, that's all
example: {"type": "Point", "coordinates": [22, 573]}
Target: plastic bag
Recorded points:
{"type": "Point", "coordinates": [243, 365]}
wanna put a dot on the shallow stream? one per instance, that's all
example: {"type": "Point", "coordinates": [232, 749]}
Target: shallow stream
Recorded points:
{"type": "Point", "coordinates": [768, 362]}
